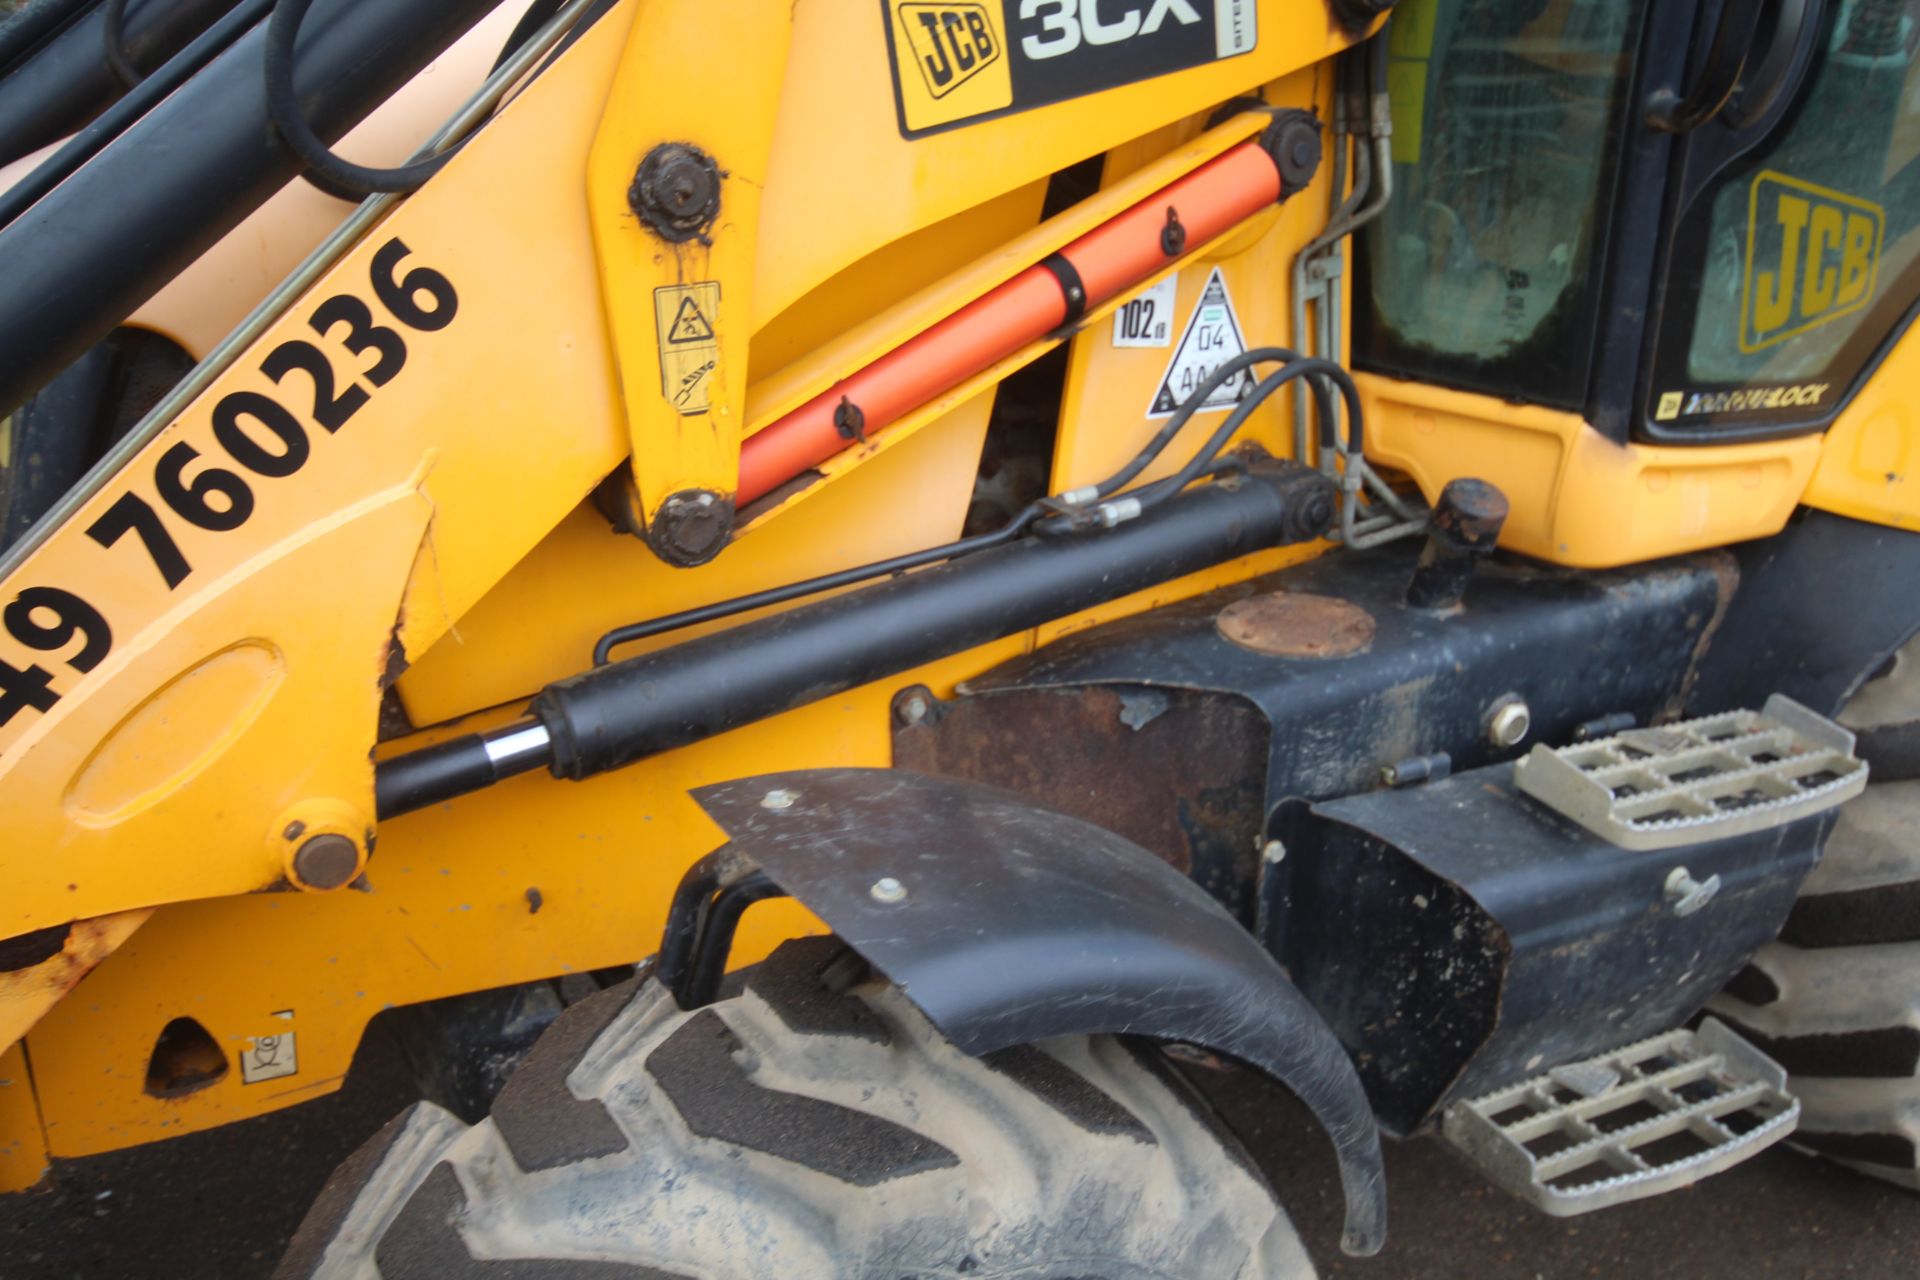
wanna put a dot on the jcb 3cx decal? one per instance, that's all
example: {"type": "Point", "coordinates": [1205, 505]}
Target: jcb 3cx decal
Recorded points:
{"type": "Point", "coordinates": [956, 61]}
{"type": "Point", "coordinates": [1812, 257]}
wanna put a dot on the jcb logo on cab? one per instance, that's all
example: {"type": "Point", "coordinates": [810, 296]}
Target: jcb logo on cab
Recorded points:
{"type": "Point", "coordinates": [1812, 256]}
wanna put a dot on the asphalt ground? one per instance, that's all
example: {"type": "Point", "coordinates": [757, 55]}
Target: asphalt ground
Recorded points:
{"type": "Point", "coordinates": [223, 1204]}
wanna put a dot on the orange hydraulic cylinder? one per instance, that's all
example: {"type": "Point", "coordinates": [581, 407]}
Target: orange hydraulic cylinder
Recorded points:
{"type": "Point", "coordinates": [1106, 261]}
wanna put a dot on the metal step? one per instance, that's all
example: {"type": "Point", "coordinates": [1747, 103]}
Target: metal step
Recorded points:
{"type": "Point", "coordinates": [1724, 775]}
{"type": "Point", "coordinates": [1652, 1117]}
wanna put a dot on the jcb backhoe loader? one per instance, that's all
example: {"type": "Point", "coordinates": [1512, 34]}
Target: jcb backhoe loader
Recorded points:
{"type": "Point", "coordinates": [879, 567]}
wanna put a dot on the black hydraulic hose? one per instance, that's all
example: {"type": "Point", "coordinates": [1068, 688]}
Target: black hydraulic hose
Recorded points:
{"type": "Point", "coordinates": [114, 43]}
{"type": "Point", "coordinates": [86, 144]}
{"type": "Point", "coordinates": [332, 173]}
{"type": "Point", "coordinates": [1322, 371]}
{"type": "Point", "coordinates": [69, 77]}
{"type": "Point", "coordinates": [612, 716]}
{"type": "Point", "coordinates": [94, 248]}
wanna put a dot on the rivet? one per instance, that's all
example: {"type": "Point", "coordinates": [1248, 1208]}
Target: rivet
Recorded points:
{"type": "Point", "coordinates": [888, 890]}
{"type": "Point", "coordinates": [777, 799]}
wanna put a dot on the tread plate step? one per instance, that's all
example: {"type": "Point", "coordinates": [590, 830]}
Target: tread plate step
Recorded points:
{"type": "Point", "coordinates": [1651, 1117]}
{"type": "Point", "coordinates": [1705, 779]}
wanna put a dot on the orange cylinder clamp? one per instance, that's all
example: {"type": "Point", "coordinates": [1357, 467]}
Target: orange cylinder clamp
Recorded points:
{"type": "Point", "coordinates": [1106, 261]}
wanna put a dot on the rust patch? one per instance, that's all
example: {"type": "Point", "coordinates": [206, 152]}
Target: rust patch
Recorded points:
{"type": "Point", "coordinates": [67, 953]}
{"type": "Point", "coordinates": [1285, 624]}
{"type": "Point", "coordinates": [1179, 774]}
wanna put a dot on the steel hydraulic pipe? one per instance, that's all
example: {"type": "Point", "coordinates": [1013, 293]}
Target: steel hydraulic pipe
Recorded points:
{"type": "Point", "coordinates": [1100, 265]}
{"type": "Point", "coordinates": [105, 240]}
{"type": "Point", "coordinates": [618, 714]}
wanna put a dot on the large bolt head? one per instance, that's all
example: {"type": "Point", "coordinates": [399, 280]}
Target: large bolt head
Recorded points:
{"type": "Point", "coordinates": [691, 527]}
{"type": "Point", "coordinates": [676, 193]}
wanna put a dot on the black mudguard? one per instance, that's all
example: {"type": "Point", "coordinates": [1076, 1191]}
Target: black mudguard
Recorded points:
{"type": "Point", "coordinates": [1014, 923]}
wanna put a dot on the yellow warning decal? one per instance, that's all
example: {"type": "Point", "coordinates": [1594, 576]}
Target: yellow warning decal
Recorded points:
{"type": "Point", "coordinates": [959, 61]}
{"type": "Point", "coordinates": [1813, 255]}
{"type": "Point", "coordinates": [684, 316]}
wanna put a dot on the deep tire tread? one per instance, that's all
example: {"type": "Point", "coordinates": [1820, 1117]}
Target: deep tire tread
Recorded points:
{"type": "Point", "coordinates": [814, 1124]}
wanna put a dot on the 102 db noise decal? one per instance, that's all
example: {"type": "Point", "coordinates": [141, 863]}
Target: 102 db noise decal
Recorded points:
{"type": "Point", "coordinates": [958, 61]}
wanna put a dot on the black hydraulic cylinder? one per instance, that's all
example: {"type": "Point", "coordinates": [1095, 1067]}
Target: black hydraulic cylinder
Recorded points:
{"type": "Point", "coordinates": [87, 255]}
{"type": "Point", "coordinates": [618, 714]}
{"type": "Point", "coordinates": [67, 80]}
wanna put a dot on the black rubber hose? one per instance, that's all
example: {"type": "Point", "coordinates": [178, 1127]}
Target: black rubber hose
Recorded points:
{"type": "Point", "coordinates": [114, 42]}
{"type": "Point", "coordinates": [1204, 460]}
{"type": "Point", "coordinates": [332, 173]}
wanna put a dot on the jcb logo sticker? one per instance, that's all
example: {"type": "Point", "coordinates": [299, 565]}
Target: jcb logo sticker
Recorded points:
{"type": "Point", "coordinates": [952, 44]}
{"type": "Point", "coordinates": [956, 61]}
{"type": "Point", "coordinates": [1812, 256]}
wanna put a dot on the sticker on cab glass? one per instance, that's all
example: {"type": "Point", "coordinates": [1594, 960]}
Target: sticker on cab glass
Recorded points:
{"type": "Point", "coordinates": [956, 61]}
{"type": "Point", "coordinates": [683, 315]}
{"type": "Point", "coordinates": [1213, 337]}
{"type": "Point", "coordinates": [1799, 395]}
{"type": "Point", "coordinates": [1812, 256]}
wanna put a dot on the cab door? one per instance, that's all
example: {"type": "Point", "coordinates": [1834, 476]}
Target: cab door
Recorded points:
{"type": "Point", "coordinates": [1690, 221]}
{"type": "Point", "coordinates": [1791, 258]}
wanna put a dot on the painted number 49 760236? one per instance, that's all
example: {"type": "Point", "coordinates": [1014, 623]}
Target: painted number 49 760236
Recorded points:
{"type": "Point", "coordinates": [255, 431]}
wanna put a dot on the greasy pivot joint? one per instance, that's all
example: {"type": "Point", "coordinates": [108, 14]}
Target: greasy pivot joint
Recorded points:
{"type": "Point", "coordinates": [676, 193]}
{"type": "Point", "coordinates": [691, 527]}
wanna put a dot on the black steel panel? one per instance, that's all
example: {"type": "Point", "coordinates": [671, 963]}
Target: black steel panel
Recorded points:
{"type": "Point", "coordinates": [1460, 936]}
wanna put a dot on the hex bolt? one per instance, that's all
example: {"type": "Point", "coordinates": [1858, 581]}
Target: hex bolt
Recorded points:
{"type": "Point", "coordinates": [1274, 852]}
{"type": "Point", "coordinates": [1509, 722]}
{"type": "Point", "coordinates": [778, 800]}
{"type": "Point", "coordinates": [326, 861]}
{"type": "Point", "coordinates": [888, 890]}
{"type": "Point", "coordinates": [914, 709]}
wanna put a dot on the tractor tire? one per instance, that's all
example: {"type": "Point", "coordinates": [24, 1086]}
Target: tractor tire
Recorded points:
{"type": "Point", "coordinates": [815, 1124]}
{"type": "Point", "coordinates": [1836, 1001]}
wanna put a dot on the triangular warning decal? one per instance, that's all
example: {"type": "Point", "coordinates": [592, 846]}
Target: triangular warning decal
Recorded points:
{"type": "Point", "coordinates": [1212, 336]}
{"type": "Point", "coordinates": [690, 325]}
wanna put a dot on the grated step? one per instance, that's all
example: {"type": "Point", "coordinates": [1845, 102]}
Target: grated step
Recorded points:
{"type": "Point", "coordinates": [1651, 1117]}
{"type": "Point", "coordinates": [1706, 779]}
